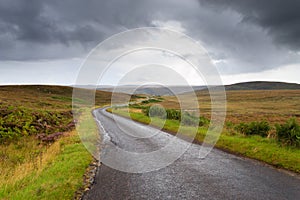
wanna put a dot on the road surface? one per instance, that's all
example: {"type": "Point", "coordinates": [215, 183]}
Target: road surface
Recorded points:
{"type": "Point", "coordinates": [219, 176]}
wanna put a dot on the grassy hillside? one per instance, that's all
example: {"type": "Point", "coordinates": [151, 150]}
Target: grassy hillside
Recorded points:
{"type": "Point", "coordinates": [47, 97]}
{"type": "Point", "coordinates": [31, 110]}
{"type": "Point", "coordinates": [31, 168]}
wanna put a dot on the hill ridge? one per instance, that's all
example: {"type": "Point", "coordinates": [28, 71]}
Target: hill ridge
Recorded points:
{"type": "Point", "coordinates": [263, 85]}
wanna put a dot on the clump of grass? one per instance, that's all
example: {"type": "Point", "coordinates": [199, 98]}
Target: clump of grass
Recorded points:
{"type": "Point", "coordinates": [254, 128]}
{"type": "Point", "coordinates": [288, 133]}
{"type": "Point", "coordinates": [186, 118]}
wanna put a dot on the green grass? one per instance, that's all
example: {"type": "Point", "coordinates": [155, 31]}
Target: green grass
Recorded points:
{"type": "Point", "coordinates": [263, 149]}
{"type": "Point", "coordinates": [88, 132]}
{"type": "Point", "coordinates": [256, 147]}
{"type": "Point", "coordinates": [58, 176]}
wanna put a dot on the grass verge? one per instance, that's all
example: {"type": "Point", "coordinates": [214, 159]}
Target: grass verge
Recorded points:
{"type": "Point", "coordinates": [56, 174]}
{"type": "Point", "coordinates": [256, 147]}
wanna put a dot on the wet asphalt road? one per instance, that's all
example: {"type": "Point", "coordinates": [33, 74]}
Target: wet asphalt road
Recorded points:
{"type": "Point", "coordinates": [219, 176]}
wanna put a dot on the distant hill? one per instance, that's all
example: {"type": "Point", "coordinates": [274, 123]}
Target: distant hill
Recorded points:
{"type": "Point", "coordinates": [174, 90]}
{"type": "Point", "coordinates": [152, 89]}
{"type": "Point", "coordinates": [263, 85]}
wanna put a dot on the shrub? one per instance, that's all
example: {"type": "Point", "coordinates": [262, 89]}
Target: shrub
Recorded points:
{"type": "Point", "coordinates": [186, 118]}
{"type": "Point", "coordinates": [241, 128]}
{"type": "Point", "coordinates": [189, 120]}
{"type": "Point", "coordinates": [203, 121]}
{"type": "Point", "coordinates": [151, 101]}
{"type": "Point", "coordinates": [173, 114]}
{"type": "Point", "coordinates": [254, 128]}
{"type": "Point", "coordinates": [288, 133]}
{"type": "Point", "coordinates": [19, 121]}
{"type": "Point", "coordinates": [156, 111]}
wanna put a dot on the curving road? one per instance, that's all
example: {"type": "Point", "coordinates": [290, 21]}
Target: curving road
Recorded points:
{"type": "Point", "coordinates": [219, 176]}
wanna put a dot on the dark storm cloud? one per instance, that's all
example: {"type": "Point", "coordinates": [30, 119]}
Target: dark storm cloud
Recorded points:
{"type": "Point", "coordinates": [61, 26]}
{"type": "Point", "coordinates": [281, 18]}
{"type": "Point", "coordinates": [242, 35]}
{"type": "Point", "coordinates": [70, 27]}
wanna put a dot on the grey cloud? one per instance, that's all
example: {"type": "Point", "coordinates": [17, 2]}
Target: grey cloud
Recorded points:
{"type": "Point", "coordinates": [39, 24]}
{"type": "Point", "coordinates": [36, 24]}
{"type": "Point", "coordinates": [280, 18]}
{"type": "Point", "coordinates": [245, 35]}
{"type": "Point", "coordinates": [241, 43]}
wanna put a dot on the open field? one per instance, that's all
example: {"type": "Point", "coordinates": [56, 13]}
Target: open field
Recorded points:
{"type": "Point", "coordinates": [275, 106]}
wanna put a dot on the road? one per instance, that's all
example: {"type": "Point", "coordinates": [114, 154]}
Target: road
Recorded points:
{"type": "Point", "coordinates": [219, 176]}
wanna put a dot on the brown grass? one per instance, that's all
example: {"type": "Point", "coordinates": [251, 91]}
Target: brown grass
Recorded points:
{"type": "Point", "coordinates": [275, 106]}
{"type": "Point", "coordinates": [26, 156]}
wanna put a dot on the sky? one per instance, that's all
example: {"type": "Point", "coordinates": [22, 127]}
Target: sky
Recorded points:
{"type": "Point", "coordinates": [46, 42]}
